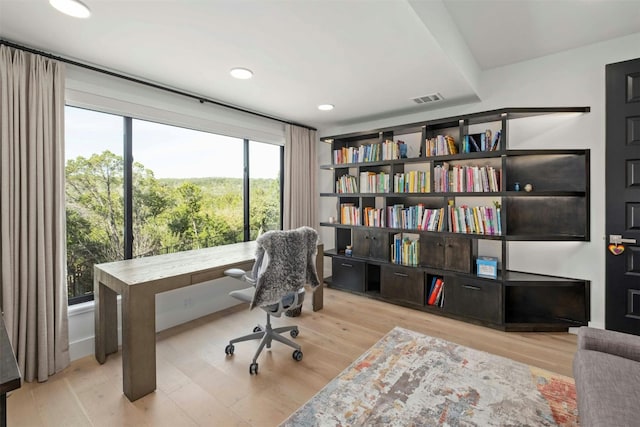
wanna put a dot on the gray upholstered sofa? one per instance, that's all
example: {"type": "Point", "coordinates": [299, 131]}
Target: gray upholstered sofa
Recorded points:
{"type": "Point", "coordinates": [606, 369]}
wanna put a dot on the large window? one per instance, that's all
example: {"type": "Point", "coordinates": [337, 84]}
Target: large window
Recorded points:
{"type": "Point", "coordinates": [94, 196]}
{"type": "Point", "coordinates": [188, 190]}
{"type": "Point", "coordinates": [264, 182]}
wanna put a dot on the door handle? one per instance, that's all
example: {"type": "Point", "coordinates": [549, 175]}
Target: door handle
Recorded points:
{"type": "Point", "coordinates": [617, 239]}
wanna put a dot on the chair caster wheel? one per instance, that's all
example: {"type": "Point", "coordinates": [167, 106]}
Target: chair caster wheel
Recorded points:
{"type": "Point", "coordinates": [257, 329]}
{"type": "Point", "coordinates": [294, 333]}
{"type": "Point", "coordinates": [297, 355]}
{"type": "Point", "coordinates": [253, 369]}
{"type": "Point", "coordinates": [228, 350]}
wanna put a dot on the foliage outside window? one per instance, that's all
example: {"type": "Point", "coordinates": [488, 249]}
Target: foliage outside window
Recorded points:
{"type": "Point", "coordinates": [187, 192]}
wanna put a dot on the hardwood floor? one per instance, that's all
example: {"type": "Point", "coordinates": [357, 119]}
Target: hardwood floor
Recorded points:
{"type": "Point", "coordinates": [199, 385]}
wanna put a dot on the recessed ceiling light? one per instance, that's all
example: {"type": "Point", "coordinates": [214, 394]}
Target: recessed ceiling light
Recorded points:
{"type": "Point", "coordinates": [74, 8]}
{"type": "Point", "coordinates": [241, 73]}
{"type": "Point", "coordinates": [325, 107]}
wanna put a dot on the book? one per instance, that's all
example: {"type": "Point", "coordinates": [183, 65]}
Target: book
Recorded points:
{"type": "Point", "coordinates": [496, 141]}
{"type": "Point", "coordinates": [433, 284]}
{"type": "Point", "coordinates": [434, 293]}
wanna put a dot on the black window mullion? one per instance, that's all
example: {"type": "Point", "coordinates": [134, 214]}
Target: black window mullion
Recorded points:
{"type": "Point", "coordinates": [128, 188]}
{"type": "Point", "coordinates": [245, 187]}
{"type": "Point", "coordinates": [281, 186]}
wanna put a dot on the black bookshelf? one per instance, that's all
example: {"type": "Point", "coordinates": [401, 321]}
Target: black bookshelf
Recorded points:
{"type": "Point", "coordinates": [555, 209]}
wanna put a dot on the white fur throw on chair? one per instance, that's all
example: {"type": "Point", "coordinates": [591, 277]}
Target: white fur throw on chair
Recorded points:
{"type": "Point", "coordinates": [291, 265]}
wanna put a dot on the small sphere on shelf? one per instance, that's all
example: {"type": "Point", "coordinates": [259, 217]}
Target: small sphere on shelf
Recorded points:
{"type": "Point", "coordinates": [528, 188]}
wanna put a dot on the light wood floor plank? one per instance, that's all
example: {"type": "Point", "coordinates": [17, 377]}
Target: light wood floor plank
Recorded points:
{"type": "Point", "coordinates": [198, 385]}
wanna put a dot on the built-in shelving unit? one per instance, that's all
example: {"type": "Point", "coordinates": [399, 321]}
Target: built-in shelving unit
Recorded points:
{"type": "Point", "coordinates": [437, 195]}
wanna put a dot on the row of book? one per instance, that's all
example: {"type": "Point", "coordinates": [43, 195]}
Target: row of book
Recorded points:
{"type": "Point", "coordinates": [412, 182]}
{"type": "Point", "coordinates": [375, 217]}
{"type": "Point", "coordinates": [460, 178]}
{"type": "Point", "coordinates": [415, 218]}
{"type": "Point", "coordinates": [475, 220]}
{"type": "Point", "coordinates": [441, 145]}
{"type": "Point", "coordinates": [349, 214]}
{"type": "Point", "coordinates": [372, 182]}
{"type": "Point", "coordinates": [484, 141]}
{"type": "Point", "coordinates": [435, 294]}
{"type": "Point", "coordinates": [463, 219]}
{"type": "Point", "coordinates": [405, 249]}
{"type": "Point", "coordinates": [387, 150]}
{"type": "Point", "coordinates": [347, 184]}
{"type": "Point", "coordinates": [409, 218]}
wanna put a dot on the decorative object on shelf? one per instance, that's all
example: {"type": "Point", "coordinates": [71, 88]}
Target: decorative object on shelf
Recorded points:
{"type": "Point", "coordinates": [528, 188]}
{"type": "Point", "coordinates": [332, 219]}
{"type": "Point", "coordinates": [487, 267]}
{"type": "Point", "coordinates": [348, 251]}
{"type": "Point", "coordinates": [516, 186]}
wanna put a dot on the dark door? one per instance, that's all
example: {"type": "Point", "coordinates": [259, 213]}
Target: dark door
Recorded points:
{"type": "Point", "coordinates": [369, 243]}
{"type": "Point", "coordinates": [622, 309]}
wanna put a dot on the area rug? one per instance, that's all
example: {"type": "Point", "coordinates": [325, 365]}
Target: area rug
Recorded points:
{"type": "Point", "coordinates": [410, 379]}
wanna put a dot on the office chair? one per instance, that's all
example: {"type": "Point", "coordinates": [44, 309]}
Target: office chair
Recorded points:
{"type": "Point", "coordinates": [285, 262]}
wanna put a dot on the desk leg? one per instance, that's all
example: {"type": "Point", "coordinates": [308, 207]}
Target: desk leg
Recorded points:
{"type": "Point", "coordinates": [138, 343]}
{"type": "Point", "coordinates": [106, 321]}
{"type": "Point", "coordinates": [3, 410]}
{"type": "Point", "coordinates": [317, 299]}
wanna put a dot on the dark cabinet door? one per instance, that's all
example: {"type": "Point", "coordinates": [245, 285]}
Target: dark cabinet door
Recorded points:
{"type": "Point", "coordinates": [481, 300]}
{"type": "Point", "coordinates": [371, 244]}
{"type": "Point", "coordinates": [458, 254]}
{"type": "Point", "coordinates": [348, 273]}
{"type": "Point", "coordinates": [432, 251]}
{"type": "Point", "coordinates": [405, 284]}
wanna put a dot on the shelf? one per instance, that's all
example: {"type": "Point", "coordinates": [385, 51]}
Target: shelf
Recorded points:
{"type": "Point", "coordinates": [557, 209]}
{"type": "Point", "coordinates": [377, 163]}
{"type": "Point", "coordinates": [471, 119]}
{"type": "Point", "coordinates": [521, 193]}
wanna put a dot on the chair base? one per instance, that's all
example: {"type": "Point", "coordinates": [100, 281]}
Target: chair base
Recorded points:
{"type": "Point", "coordinates": [267, 335]}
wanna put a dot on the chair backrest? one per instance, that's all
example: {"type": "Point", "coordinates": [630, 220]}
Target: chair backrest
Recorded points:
{"type": "Point", "coordinates": [290, 264]}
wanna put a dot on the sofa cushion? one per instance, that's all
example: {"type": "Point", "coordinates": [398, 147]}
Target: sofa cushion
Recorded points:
{"type": "Point", "coordinates": [608, 389]}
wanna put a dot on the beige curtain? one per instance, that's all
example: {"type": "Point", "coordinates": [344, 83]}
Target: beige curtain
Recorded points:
{"type": "Point", "coordinates": [300, 178]}
{"type": "Point", "coordinates": [33, 293]}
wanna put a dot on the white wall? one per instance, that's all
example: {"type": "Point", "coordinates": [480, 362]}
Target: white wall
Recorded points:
{"type": "Point", "coordinates": [571, 78]}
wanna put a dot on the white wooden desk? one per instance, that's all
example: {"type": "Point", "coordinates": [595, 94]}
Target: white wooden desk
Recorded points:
{"type": "Point", "coordinates": [138, 281]}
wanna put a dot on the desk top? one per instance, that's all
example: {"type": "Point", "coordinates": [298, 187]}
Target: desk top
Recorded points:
{"type": "Point", "coordinates": [192, 266]}
{"type": "Point", "coordinates": [9, 372]}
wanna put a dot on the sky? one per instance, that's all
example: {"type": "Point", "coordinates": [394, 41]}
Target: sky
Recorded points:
{"type": "Point", "coordinates": [169, 151]}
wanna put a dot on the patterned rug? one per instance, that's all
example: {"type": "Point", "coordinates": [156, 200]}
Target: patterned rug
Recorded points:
{"type": "Point", "coordinates": [409, 379]}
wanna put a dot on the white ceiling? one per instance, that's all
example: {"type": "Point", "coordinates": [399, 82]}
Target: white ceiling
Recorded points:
{"type": "Point", "coordinates": [368, 57]}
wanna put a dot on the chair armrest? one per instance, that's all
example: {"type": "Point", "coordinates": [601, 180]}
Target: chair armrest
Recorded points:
{"type": "Point", "coordinates": [611, 342]}
{"type": "Point", "coordinates": [241, 275]}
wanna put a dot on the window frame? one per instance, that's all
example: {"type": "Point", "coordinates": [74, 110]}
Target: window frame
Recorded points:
{"type": "Point", "coordinates": [128, 142]}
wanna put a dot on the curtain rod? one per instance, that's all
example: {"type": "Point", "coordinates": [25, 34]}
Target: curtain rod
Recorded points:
{"type": "Point", "coordinates": [146, 83]}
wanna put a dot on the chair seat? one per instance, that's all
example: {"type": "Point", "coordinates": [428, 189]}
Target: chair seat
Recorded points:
{"type": "Point", "coordinates": [246, 295]}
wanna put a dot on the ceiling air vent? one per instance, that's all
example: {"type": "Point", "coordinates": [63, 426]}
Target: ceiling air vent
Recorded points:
{"type": "Point", "coordinates": [428, 98]}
